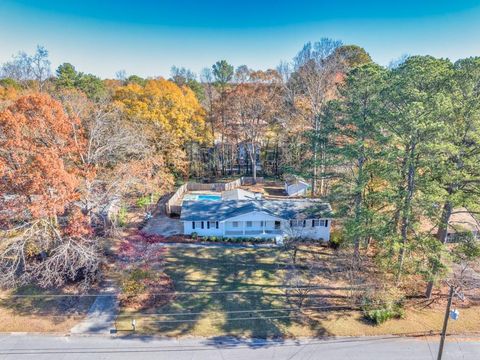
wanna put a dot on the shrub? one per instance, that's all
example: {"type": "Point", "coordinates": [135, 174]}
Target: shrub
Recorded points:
{"type": "Point", "coordinates": [383, 305]}
{"type": "Point", "coordinates": [143, 201]}
{"type": "Point", "coordinates": [131, 287]}
{"type": "Point", "coordinates": [379, 316]}
{"type": "Point", "coordinates": [133, 284]}
{"type": "Point", "coordinates": [143, 288]}
{"type": "Point", "coordinates": [194, 235]}
{"type": "Point", "coordinates": [336, 239]}
{"type": "Point", "coordinates": [122, 216]}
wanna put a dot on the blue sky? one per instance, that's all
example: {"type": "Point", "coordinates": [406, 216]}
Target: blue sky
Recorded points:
{"type": "Point", "coordinates": [148, 37]}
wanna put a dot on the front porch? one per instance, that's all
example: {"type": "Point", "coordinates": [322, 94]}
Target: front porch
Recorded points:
{"type": "Point", "coordinates": [253, 228]}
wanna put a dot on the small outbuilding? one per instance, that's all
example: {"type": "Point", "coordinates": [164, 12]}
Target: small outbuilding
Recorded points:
{"type": "Point", "coordinates": [295, 185]}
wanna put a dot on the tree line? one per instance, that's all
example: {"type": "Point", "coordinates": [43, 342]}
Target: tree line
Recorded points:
{"type": "Point", "coordinates": [392, 148]}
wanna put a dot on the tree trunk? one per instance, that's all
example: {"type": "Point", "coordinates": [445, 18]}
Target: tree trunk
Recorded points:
{"type": "Point", "coordinates": [253, 158]}
{"type": "Point", "coordinates": [223, 132]}
{"type": "Point", "coordinates": [406, 211]}
{"type": "Point", "coordinates": [442, 233]}
{"type": "Point", "coordinates": [358, 203]}
{"type": "Point", "coordinates": [315, 157]}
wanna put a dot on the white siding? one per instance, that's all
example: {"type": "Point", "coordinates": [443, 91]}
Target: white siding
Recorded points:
{"type": "Point", "coordinates": [318, 232]}
{"type": "Point", "coordinates": [262, 225]}
{"type": "Point", "coordinates": [296, 189]}
{"type": "Point", "coordinates": [188, 229]}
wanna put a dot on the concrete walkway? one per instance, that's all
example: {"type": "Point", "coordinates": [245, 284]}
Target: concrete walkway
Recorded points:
{"type": "Point", "coordinates": [101, 315]}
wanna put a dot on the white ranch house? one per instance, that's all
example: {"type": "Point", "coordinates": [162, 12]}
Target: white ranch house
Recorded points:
{"type": "Point", "coordinates": [258, 218]}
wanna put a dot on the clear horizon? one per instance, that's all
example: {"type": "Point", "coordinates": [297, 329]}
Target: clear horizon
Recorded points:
{"type": "Point", "coordinates": [147, 38]}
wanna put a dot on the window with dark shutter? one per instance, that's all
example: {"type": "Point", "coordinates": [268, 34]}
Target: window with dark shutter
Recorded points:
{"type": "Point", "coordinates": [216, 224]}
{"type": "Point", "coordinates": [326, 223]}
{"type": "Point", "coordinates": [203, 225]}
{"type": "Point", "coordinates": [208, 224]}
{"type": "Point", "coordinates": [193, 225]}
{"type": "Point", "coordinates": [304, 223]}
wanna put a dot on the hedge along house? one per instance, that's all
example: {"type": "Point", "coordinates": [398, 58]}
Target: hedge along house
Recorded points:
{"type": "Point", "coordinates": [258, 218]}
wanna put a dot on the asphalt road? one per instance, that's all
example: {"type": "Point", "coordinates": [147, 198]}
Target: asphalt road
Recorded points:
{"type": "Point", "coordinates": [41, 347]}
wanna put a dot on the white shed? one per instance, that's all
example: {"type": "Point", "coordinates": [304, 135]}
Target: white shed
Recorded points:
{"type": "Point", "coordinates": [295, 186]}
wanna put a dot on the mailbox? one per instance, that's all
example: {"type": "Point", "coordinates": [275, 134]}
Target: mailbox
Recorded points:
{"type": "Point", "coordinates": [454, 314]}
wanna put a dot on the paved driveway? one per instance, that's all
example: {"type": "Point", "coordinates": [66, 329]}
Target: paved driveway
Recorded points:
{"type": "Point", "coordinates": [101, 315]}
{"type": "Point", "coordinates": [164, 225]}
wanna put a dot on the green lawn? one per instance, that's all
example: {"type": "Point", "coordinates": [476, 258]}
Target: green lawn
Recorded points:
{"type": "Point", "coordinates": [251, 279]}
{"type": "Point", "coordinates": [244, 282]}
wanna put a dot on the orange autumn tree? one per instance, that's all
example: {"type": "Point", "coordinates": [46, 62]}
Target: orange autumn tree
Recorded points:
{"type": "Point", "coordinates": [43, 238]}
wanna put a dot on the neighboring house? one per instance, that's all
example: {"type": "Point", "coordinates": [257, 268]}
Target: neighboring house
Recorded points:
{"type": "Point", "coordinates": [461, 222]}
{"type": "Point", "coordinates": [295, 186]}
{"type": "Point", "coordinates": [258, 218]}
{"type": "Point", "coordinates": [240, 194]}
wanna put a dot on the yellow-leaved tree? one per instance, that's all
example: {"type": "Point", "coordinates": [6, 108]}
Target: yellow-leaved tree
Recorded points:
{"type": "Point", "coordinates": [171, 115]}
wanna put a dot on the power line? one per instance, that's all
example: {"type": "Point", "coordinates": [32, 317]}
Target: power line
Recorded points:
{"type": "Point", "coordinates": [178, 292]}
{"type": "Point", "coordinates": [240, 311]}
{"type": "Point", "coordinates": [137, 315]}
{"type": "Point", "coordinates": [234, 319]}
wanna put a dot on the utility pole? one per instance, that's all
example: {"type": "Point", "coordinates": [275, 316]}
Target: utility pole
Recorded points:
{"type": "Point", "coordinates": [445, 322]}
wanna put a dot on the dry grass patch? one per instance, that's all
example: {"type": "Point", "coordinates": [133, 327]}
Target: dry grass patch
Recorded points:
{"type": "Point", "coordinates": [39, 310]}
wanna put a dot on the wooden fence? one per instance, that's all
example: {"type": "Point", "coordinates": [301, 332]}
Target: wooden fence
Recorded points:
{"type": "Point", "coordinates": [173, 206]}
{"type": "Point", "coordinates": [249, 180]}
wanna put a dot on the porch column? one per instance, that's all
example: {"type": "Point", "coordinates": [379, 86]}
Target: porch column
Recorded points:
{"type": "Point", "coordinates": [263, 226]}
{"type": "Point", "coordinates": [243, 227]}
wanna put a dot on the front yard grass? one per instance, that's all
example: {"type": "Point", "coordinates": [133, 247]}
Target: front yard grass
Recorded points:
{"type": "Point", "coordinates": [219, 291]}
{"type": "Point", "coordinates": [39, 310]}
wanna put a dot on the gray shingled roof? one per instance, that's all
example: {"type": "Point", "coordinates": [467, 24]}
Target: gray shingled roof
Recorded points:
{"type": "Point", "coordinates": [293, 179]}
{"type": "Point", "coordinates": [285, 209]}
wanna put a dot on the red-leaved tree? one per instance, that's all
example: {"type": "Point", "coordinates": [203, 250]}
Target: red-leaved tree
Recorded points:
{"type": "Point", "coordinates": [43, 238]}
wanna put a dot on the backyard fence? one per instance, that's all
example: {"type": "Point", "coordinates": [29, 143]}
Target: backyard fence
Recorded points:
{"type": "Point", "coordinates": [249, 180]}
{"type": "Point", "coordinates": [174, 205]}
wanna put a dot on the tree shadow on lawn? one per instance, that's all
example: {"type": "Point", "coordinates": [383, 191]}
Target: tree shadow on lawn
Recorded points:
{"type": "Point", "coordinates": [237, 306]}
{"type": "Point", "coordinates": [34, 301]}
